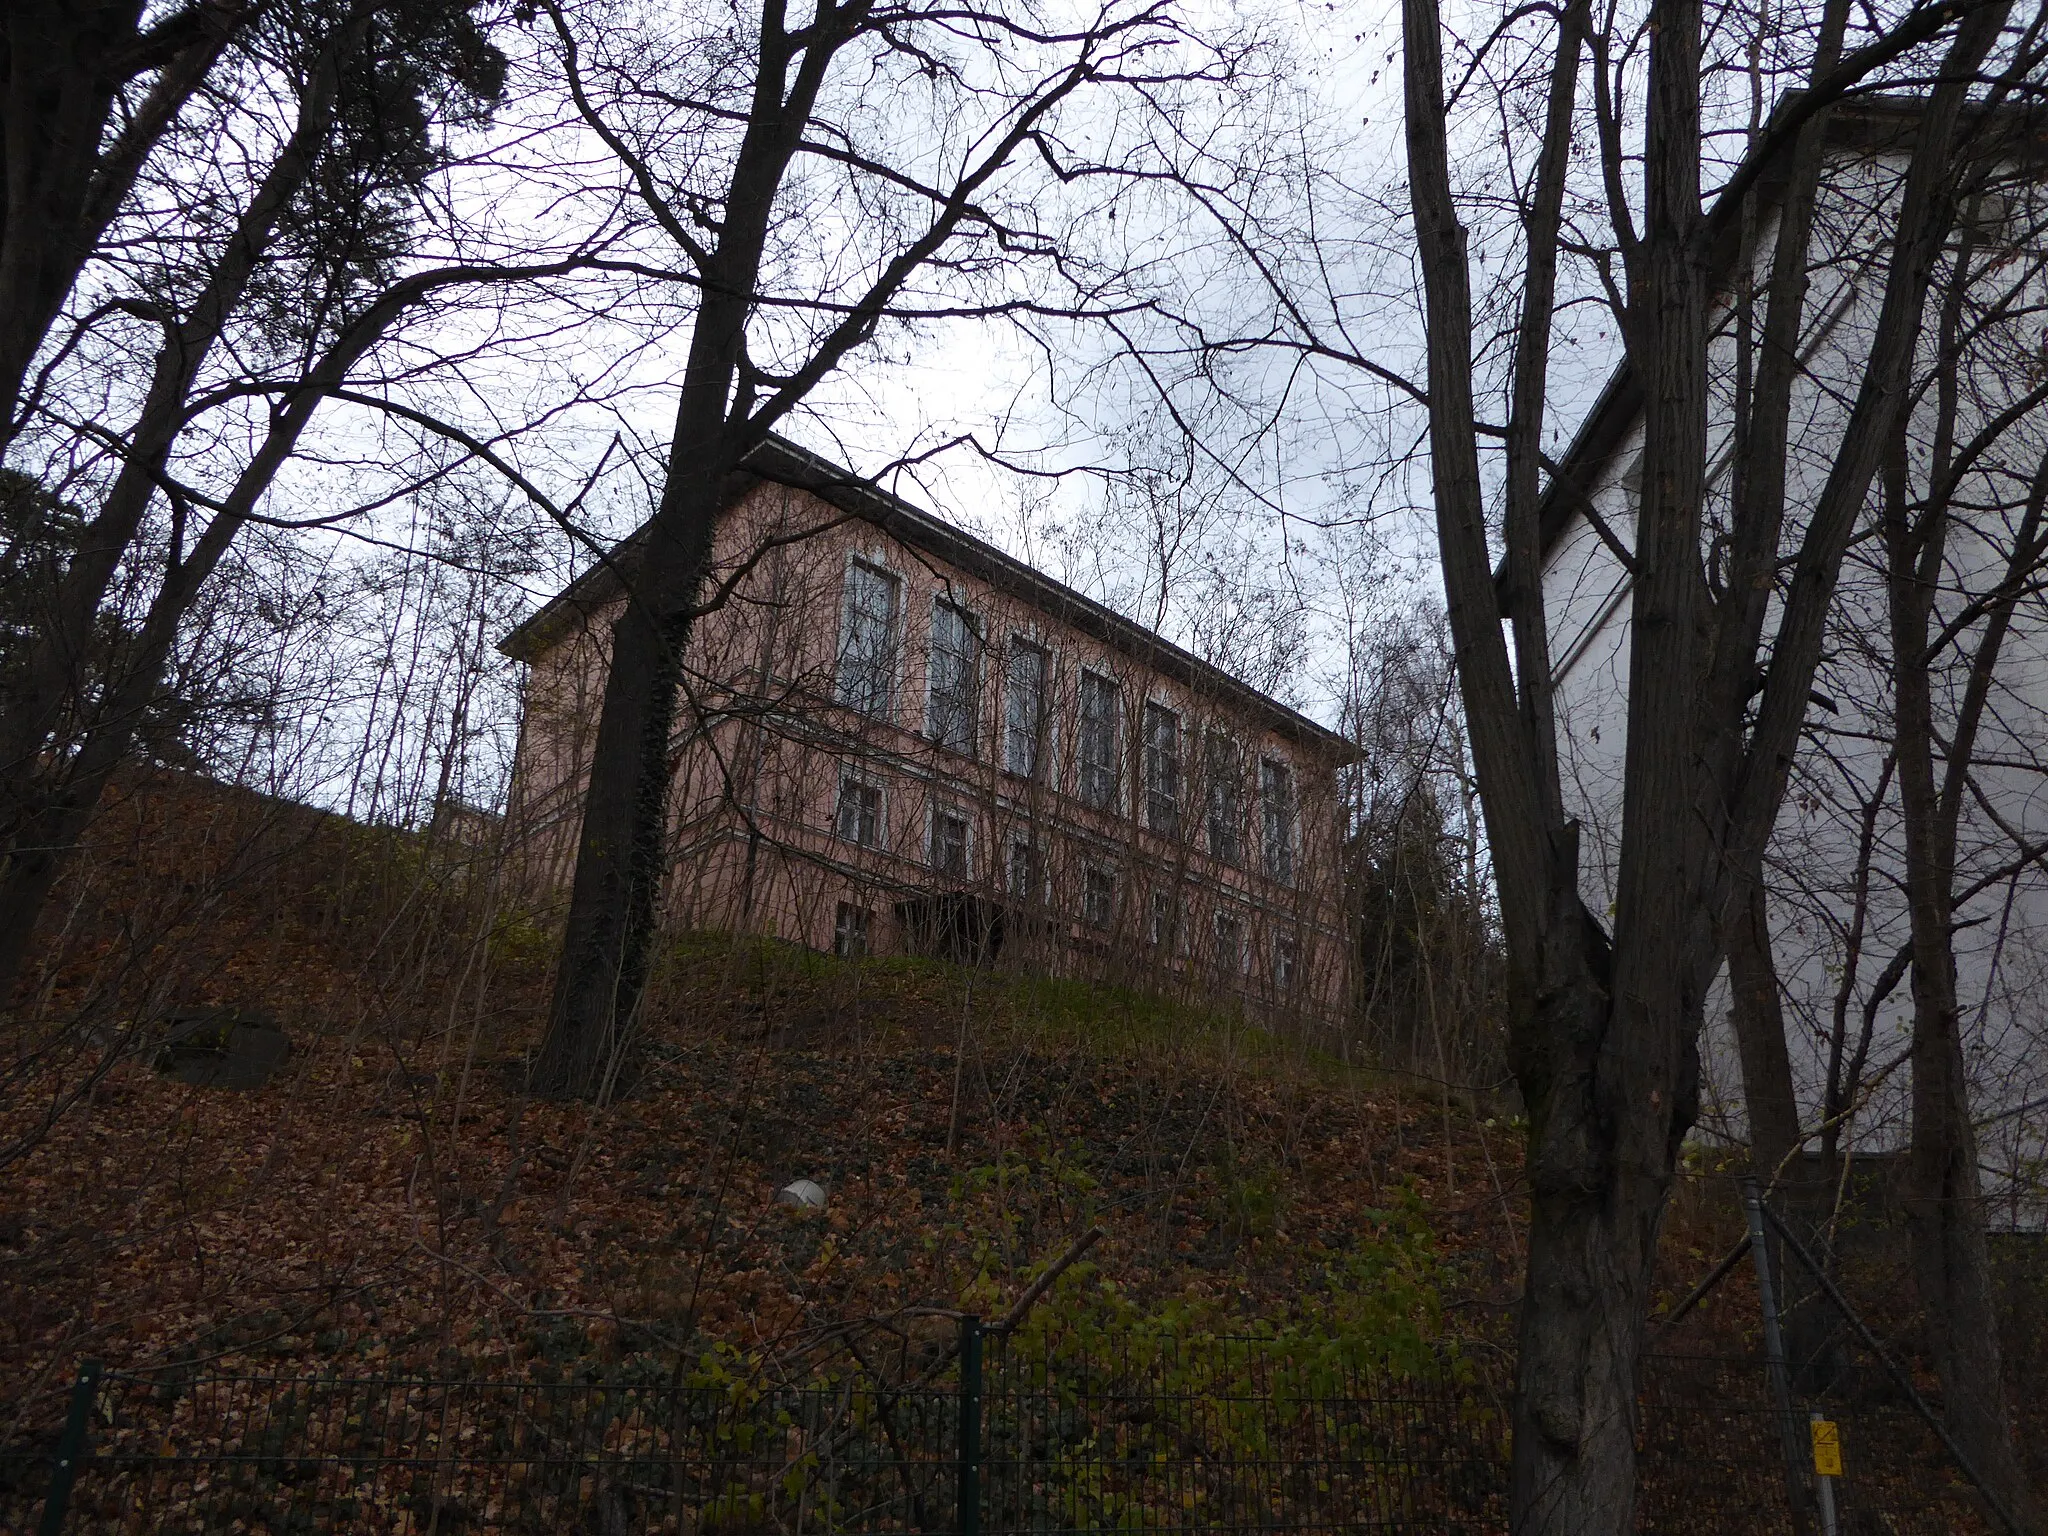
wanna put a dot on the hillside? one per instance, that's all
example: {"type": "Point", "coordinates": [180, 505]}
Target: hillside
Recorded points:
{"type": "Point", "coordinates": [391, 1204]}
{"type": "Point", "coordinates": [391, 1200]}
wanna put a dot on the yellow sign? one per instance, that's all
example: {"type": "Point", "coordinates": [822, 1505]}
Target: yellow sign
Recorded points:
{"type": "Point", "coordinates": [1827, 1447]}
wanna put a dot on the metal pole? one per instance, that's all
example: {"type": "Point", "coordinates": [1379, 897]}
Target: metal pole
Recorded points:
{"type": "Point", "coordinates": [968, 1493]}
{"type": "Point", "coordinates": [1824, 1490]}
{"type": "Point", "coordinates": [1774, 1353]}
{"type": "Point", "coordinates": [1899, 1375]}
{"type": "Point", "coordinates": [71, 1447]}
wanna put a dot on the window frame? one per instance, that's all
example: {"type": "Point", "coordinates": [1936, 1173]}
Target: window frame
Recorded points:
{"type": "Point", "coordinates": [969, 705]}
{"type": "Point", "coordinates": [849, 775]}
{"type": "Point", "coordinates": [874, 705]}
{"type": "Point", "coordinates": [947, 810]}
{"type": "Point", "coordinates": [1218, 921]}
{"type": "Point", "coordinates": [1280, 865]}
{"type": "Point", "coordinates": [1035, 883]}
{"type": "Point", "coordinates": [1286, 963]}
{"type": "Point", "coordinates": [1111, 800]}
{"type": "Point", "coordinates": [841, 929]}
{"type": "Point", "coordinates": [1091, 870]}
{"type": "Point", "coordinates": [1221, 787]}
{"type": "Point", "coordinates": [1040, 739]}
{"type": "Point", "coordinates": [1162, 921]}
{"type": "Point", "coordinates": [1159, 773]}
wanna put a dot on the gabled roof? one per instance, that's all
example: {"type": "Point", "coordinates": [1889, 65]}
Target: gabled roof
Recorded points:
{"type": "Point", "coordinates": [1857, 123]}
{"type": "Point", "coordinates": [782, 462]}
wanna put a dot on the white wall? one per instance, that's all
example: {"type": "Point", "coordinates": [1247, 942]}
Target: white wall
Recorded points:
{"type": "Point", "coordinates": [2002, 953]}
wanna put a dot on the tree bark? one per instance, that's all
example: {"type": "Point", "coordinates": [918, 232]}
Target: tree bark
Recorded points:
{"type": "Point", "coordinates": [46, 796]}
{"type": "Point", "coordinates": [61, 66]}
{"type": "Point", "coordinates": [1944, 1198]}
{"type": "Point", "coordinates": [1758, 1015]}
{"type": "Point", "coordinates": [1604, 1121]}
{"type": "Point", "coordinates": [621, 849]}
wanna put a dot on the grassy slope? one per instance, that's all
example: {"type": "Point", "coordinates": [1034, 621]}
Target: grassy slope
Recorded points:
{"type": "Point", "coordinates": [392, 1202]}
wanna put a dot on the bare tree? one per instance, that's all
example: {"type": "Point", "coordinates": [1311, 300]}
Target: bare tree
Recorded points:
{"type": "Point", "coordinates": [1942, 769]}
{"type": "Point", "coordinates": [728, 159]}
{"type": "Point", "coordinates": [90, 91]}
{"type": "Point", "coordinates": [1899, 762]}
{"type": "Point", "coordinates": [1605, 1033]}
{"type": "Point", "coordinates": [295, 287]}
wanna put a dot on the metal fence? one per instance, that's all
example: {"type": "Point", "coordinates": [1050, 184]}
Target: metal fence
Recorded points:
{"type": "Point", "coordinates": [1711, 1459]}
{"type": "Point", "coordinates": [986, 1437]}
{"type": "Point", "coordinates": [1232, 1434]}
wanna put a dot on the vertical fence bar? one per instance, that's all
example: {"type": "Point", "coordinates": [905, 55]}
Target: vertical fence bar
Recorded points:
{"type": "Point", "coordinates": [967, 1494]}
{"type": "Point", "coordinates": [71, 1448]}
{"type": "Point", "coordinates": [1774, 1355]}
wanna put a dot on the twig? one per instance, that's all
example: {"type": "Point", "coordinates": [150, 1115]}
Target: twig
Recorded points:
{"type": "Point", "coordinates": [1046, 1281]}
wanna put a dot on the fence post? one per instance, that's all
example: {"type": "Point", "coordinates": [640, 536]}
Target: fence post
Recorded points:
{"type": "Point", "coordinates": [1774, 1355]}
{"type": "Point", "coordinates": [71, 1447]}
{"type": "Point", "coordinates": [967, 1495]}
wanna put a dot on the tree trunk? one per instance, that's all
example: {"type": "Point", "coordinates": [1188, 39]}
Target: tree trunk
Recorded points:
{"type": "Point", "coordinates": [621, 853]}
{"type": "Point", "coordinates": [1801, 1186]}
{"type": "Point", "coordinates": [1607, 1070]}
{"type": "Point", "coordinates": [46, 794]}
{"type": "Point", "coordinates": [1944, 1201]}
{"type": "Point", "coordinates": [1757, 1014]}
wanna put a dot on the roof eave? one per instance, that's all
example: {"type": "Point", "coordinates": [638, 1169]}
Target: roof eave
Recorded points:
{"type": "Point", "coordinates": [782, 462]}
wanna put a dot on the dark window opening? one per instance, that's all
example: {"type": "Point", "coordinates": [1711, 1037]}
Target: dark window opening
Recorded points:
{"type": "Point", "coordinates": [850, 930]}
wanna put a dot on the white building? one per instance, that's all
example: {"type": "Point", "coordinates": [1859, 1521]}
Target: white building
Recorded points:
{"type": "Point", "coordinates": [1836, 870]}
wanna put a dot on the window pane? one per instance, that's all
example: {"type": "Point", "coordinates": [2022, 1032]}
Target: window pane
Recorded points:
{"type": "Point", "coordinates": [1283, 964]}
{"type": "Point", "coordinates": [1162, 769]}
{"type": "Point", "coordinates": [1024, 709]}
{"type": "Point", "coordinates": [1098, 776]}
{"type": "Point", "coordinates": [1160, 931]}
{"type": "Point", "coordinates": [950, 710]}
{"type": "Point", "coordinates": [850, 930]}
{"type": "Point", "coordinates": [1024, 882]}
{"type": "Point", "coordinates": [1229, 945]}
{"type": "Point", "coordinates": [1226, 816]}
{"type": "Point", "coordinates": [867, 642]}
{"type": "Point", "coordinates": [949, 843]}
{"type": "Point", "coordinates": [859, 817]}
{"type": "Point", "coordinates": [1276, 808]}
{"type": "Point", "coordinates": [1098, 896]}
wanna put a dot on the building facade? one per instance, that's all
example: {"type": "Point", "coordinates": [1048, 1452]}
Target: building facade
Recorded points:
{"type": "Point", "coordinates": [897, 738]}
{"type": "Point", "coordinates": [1839, 921]}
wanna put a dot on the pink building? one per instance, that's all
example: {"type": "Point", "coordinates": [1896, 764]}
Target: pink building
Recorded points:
{"type": "Point", "coordinates": [898, 738]}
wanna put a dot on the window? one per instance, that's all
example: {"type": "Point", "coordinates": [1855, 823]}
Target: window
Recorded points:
{"type": "Point", "coordinates": [1229, 943]}
{"type": "Point", "coordinates": [1025, 877]}
{"type": "Point", "coordinates": [953, 678]}
{"type": "Point", "coordinates": [1284, 955]}
{"type": "Point", "coordinates": [1098, 896]}
{"type": "Point", "coordinates": [1226, 815]}
{"type": "Point", "coordinates": [859, 819]}
{"type": "Point", "coordinates": [1162, 769]}
{"type": "Point", "coordinates": [867, 642]}
{"type": "Point", "coordinates": [850, 931]}
{"type": "Point", "coordinates": [949, 842]}
{"type": "Point", "coordinates": [1098, 786]}
{"type": "Point", "coordinates": [1024, 680]}
{"type": "Point", "coordinates": [1276, 814]}
{"type": "Point", "coordinates": [1164, 921]}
